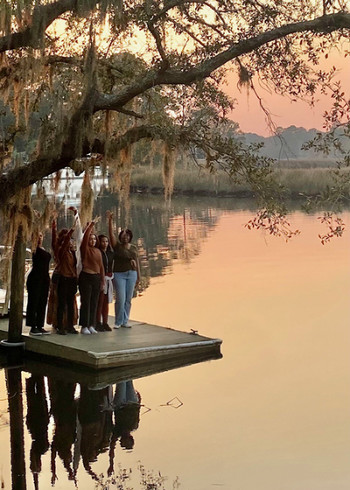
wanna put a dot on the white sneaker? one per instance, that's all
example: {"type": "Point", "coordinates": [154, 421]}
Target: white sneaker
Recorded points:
{"type": "Point", "coordinates": [127, 325]}
{"type": "Point", "coordinates": [117, 326]}
{"type": "Point", "coordinates": [92, 330]}
{"type": "Point", "coordinates": [85, 331]}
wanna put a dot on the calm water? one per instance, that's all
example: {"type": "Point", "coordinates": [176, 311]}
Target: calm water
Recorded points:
{"type": "Point", "coordinates": [273, 413]}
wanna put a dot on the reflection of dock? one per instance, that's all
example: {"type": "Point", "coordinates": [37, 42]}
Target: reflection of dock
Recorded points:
{"type": "Point", "coordinates": [101, 378]}
{"type": "Point", "coordinates": [136, 346]}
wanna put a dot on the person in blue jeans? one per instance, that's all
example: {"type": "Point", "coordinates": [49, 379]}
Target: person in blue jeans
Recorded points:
{"type": "Point", "coordinates": [126, 272]}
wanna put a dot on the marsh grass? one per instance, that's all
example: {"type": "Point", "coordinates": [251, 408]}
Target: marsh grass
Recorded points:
{"type": "Point", "coordinates": [297, 181]}
{"type": "Point", "coordinates": [309, 181]}
{"type": "Point", "coordinates": [186, 180]}
{"type": "Point", "coordinates": [142, 479]}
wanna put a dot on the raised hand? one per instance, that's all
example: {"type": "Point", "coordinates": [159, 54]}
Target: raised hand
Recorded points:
{"type": "Point", "coordinates": [72, 208]}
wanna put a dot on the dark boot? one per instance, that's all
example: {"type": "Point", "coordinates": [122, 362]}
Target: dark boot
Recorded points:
{"type": "Point", "coordinates": [99, 327]}
{"type": "Point", "coordinates": [106, 327]}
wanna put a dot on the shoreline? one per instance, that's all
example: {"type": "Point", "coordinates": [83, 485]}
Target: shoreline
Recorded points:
{"type": "Point", "coordinates": [238, 194]}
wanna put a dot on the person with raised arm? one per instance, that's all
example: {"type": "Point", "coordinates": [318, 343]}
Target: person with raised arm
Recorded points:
{"type": "Point", "coordinates": [91, 280]}
{"type": "Point", "coordinates": [67, 282]}
{"type": "Point", "coordinates": [56, 242]}
{"type": "Point", "coordinates": [106, 296]}
{"type": "Point", "coordinates": [126, 272]}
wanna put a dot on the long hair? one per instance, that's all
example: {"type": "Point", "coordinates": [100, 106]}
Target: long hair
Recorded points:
{"type": "Point", "coordinates": [99, 242]}
{"type": "Point", "coordinates": [128, 232]}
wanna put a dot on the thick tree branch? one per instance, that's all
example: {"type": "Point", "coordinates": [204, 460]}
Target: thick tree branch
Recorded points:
{"type": "Point", "coordinates": [42, 17]}
{"type": "Point", "coordinates": [12, 181]}
{"type": "Point", "coordinates": [158, 41]}
{"type": "Point", "coordinates": [324, 24]}
{"type": "Point", "coordinates": [130, 113]}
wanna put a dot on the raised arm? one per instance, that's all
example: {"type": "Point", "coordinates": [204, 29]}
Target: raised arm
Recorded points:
{"type": "Point", "coordinates": [112, 237]}
{"type": "Point", "coordinates": [85, 240]}
{"type": "Point", "coordinates": [138, 270]}
{"type": "Point", "coordinates": [54, 235]}
{"type": "Point", "coordinates": [65, 244]}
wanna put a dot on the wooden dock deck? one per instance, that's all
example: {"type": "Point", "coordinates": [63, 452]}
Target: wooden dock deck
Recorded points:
{"type": "Point", "coordinates": [140, 345]}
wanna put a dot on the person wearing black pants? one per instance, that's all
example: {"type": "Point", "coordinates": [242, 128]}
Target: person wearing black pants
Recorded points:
{"type": "Point", "coordinates": [91, 280]}
{"type": "Point", "coordinates": [89, 287]}
{"type": "Point", "coordinates": [38, 283]}
{"type": "Point", "coordinates": [67, 283]}
{"type": "Point", "coordinates": [66, 291]}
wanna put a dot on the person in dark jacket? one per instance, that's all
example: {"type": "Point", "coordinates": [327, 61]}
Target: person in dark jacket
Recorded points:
{"type": "Point", "coordinates": [38, 283]}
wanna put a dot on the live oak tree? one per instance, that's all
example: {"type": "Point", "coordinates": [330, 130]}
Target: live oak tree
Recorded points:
{"type": "Point", "coordinates": [83, 82]}
{"type": "Point", "coordinates": [147, 70]}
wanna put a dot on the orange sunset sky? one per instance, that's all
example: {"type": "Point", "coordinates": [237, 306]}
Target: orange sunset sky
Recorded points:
{"type": "Point", "coordinates": [284, 113]}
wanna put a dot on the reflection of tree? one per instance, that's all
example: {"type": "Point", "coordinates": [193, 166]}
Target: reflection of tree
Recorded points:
{"type": "Point", "coordinates": [187, 231]}
{"type": "Point", "coordinates": [15, 404]}
{"type": "Point", "coordinates": [163, 232]}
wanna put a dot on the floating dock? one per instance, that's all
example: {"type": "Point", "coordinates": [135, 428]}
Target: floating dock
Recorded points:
{"type": "Point", "coordinates": [139, 345]}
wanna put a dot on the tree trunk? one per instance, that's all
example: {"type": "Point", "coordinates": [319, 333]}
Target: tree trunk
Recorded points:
{"type": "Point", "coordinates": [8, 288]}
{"type": "Point", "coordinates": [17, 289]}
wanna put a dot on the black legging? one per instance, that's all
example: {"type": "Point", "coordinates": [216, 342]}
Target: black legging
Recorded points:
{"type": "Point", "coordinates": [66, 290]}
{"type": "Point", "coordinates": [38, 289]}
{"type": "Point", "coordinates": [89, 287]}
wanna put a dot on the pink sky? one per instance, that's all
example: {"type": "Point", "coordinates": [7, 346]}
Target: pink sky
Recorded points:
{"type": "Point", "coordinates": [284, 113]}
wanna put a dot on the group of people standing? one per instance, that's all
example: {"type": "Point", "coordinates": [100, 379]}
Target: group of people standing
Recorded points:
{"type": "Point", "coordinates": [94, 263]}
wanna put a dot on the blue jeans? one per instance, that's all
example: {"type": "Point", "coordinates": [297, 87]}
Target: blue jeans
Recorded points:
{"type": "Point", "coordinates": [125, 393]}
{"type": "Point", "coordinates": [124, 283]}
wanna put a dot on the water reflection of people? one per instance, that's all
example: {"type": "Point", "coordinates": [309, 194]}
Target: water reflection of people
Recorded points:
{"type": "Point", "coordinates": [127, 404]}
{"type": "Point", "coordinates": [64, 410]}
{"type": "Point", "coordinates": [37, 422]}
{"type": "Point", "coordinates": [95, 418]}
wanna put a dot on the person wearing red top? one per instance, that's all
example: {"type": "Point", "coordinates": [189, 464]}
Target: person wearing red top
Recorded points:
{"type": "Point", "coordinates": [91, 280]}
{"type": "Point", "coordinates": [67, 281]}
